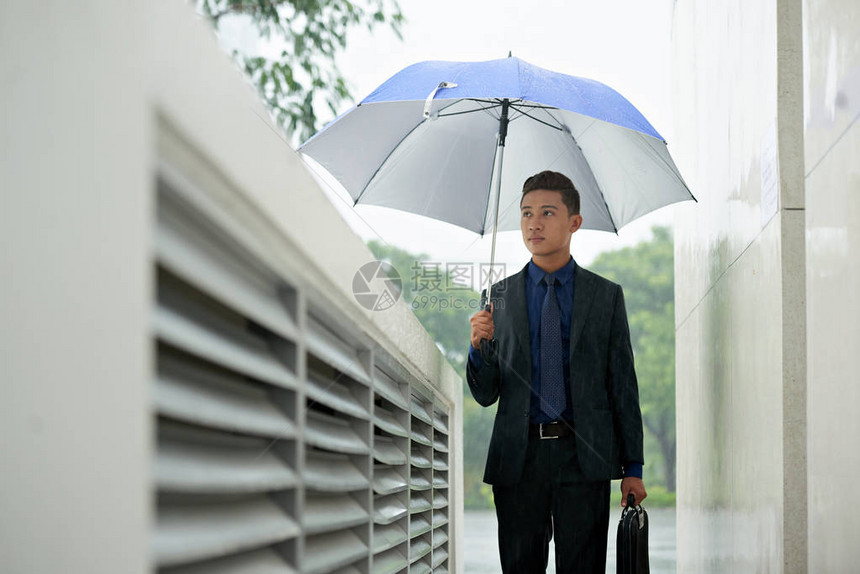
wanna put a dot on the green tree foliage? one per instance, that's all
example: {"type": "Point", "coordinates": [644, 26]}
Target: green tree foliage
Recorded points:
{"type": "Point", "coordinates": [311, 33]}
{"type": "Point", "coordinates": [646, 272]}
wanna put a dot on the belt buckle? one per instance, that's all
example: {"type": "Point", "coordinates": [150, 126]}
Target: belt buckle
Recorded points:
{"type": "Point", "coordinates": [540, 431]}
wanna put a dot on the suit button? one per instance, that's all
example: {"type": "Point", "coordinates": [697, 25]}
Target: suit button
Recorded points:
{"type": "Point", "coordinates": [525, 413]}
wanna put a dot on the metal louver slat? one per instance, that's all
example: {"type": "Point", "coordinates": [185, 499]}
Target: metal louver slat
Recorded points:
{"type": "Point", "coordinates": [390, 562]}
{"type": "Point", "coordinates": [327, 391]}
{"type": "Point", "coordinates": [418, 481]}
{"type": "Point", "coordinates": [386, 421]}
{"type": "Point", "coordinates": [326, 552]}
{"type": "Point", "coordinates": [197, 393]}
{"type": "Point", "coordinates": [418, 547]}
{"type": "Point", "coordinates": [439, 557]}
{"type": "Point", "coordinates": [440, 443]}
{"type": "Point", "coordinates": [334, 351]}
{"type": "Point", "coordinates": [188, 324]}
{"type": "Point", "coordinates": [332, 472]}
{"type": "Point", "coordinates": [440, 422]}
{"type": "Point", "coordinates": [388, 480]}
{"type": "Point", "coordinates": [440, 570]}
{"type": "Point", "coordinates": [190, 533]}
{"type": "Point", "coordinates": [440, 518]}
{"type": "Point", "coordinates": [387, 452]}
{"type": "Point", "coordinates": [419, 410]}
{"type": "Point", "coordinates": [440, 499]}
{"type": "Point", "coordinates": [419, 459]}
{"type": "Point", "coordinates": [265, 561]}
{"type": "Point", "coordinates": [420, 568]}
{"type": "Point", "coordinates": [419, 524]}
{"type": "Point", "coordinates": [387, 509]}
{"type": "Point", "coordinates": [418, 503]}
{"type": "Point", "coordinates": [349, 570]}
{"type": "Point", "coordinates": [324, 513]}
{"type": "Point", "coordinates": [203, 258]}
{"type": "Point", "coordinates": [440, 537]}
{"type": "Point", "coordinates": [389, 389]}
{"type": "Point", "coordinates": [385, 537]}
{"type": "Point", "coordinates": [333, 434]}
{"type": "Point", "coordinates": [440, 480]}
{"type": "Point", "coordinates": [421, 435]}
{"type": "Point", "coordinates": [205, 462]}
{"type": "Point", "coordinates": [440, 463]}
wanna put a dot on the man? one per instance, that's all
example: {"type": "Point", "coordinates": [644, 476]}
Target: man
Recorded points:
{"type": "Point", "coordinates": [568, 419]}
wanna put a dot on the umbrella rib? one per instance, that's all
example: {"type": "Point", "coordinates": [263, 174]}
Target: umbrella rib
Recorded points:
{"type": "Point", "coordinates": [538, 106]}
{"type": "Point", "coordinates": [597, 184]}
{"type": "Point", "coordinates": [383, 162]}
{"type": "Point", "coordinates": [547, 124]}
{"type": "Point", "coordinates": [490, 192]}
{"type": "Point", "coordinates": [393, 149]}
{"type": "Point", "coordinates": [469, 111]}
{"type": "Point", "coordinates": [558, 125]}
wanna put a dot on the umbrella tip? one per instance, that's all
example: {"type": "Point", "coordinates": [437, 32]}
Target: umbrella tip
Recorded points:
{"type": "Point", "coordinates": [509, 54]}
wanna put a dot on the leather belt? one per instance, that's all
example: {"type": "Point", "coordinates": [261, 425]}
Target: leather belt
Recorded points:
{"type": "Point", "coordinates": [556, 429]}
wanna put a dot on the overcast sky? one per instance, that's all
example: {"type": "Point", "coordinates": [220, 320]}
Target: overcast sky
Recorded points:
{"type": "Point", "coordinates": [622, 43]}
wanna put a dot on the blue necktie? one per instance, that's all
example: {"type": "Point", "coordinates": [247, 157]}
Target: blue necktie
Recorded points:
{"type": "Point", "coordinates": [552, 396]}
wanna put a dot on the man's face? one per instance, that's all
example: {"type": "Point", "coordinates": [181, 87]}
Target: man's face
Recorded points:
{"type": "Point", "coordinates": [545, 223]}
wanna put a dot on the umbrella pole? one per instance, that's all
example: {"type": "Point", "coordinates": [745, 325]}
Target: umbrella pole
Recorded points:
{"type": "Point", "coordinates": [488, 348]}
{"type": "Point", "coordinates": [497, 167]}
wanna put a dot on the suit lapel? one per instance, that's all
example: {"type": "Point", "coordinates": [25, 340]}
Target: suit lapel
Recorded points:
{"type": "Point", "coordinates": [519, 311]}
{"type": "Point", "coordinates": [582, 298]}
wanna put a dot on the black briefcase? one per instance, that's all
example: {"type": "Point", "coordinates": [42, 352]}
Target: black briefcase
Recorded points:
{"type": "Point", "coordinates": [632, 540]}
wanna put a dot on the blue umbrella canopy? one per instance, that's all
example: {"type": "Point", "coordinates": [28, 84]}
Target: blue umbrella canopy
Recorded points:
{"type": "Point", "coordinates": [431, 140]}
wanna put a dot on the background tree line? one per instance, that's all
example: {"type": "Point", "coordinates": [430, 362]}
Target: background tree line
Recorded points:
{"type": "Point", "coordinates": [645, 271]}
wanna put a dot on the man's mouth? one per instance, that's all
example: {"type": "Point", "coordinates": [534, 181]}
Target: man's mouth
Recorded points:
{"type": "Point", "coordinates": [536, 238]}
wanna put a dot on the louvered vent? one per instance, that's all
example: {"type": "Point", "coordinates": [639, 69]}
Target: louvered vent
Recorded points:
{"type": "Point", "coordinates": [390, 474]}
{"type": "Point", "coordinates": [285, 443]}
{"type": "Point", "coordinates": [440, 490]}
{"type": "Point", "coordinates": [225, 397]}
{"type": "Point", "coordinates": [420, 482]}
{"type": "Point", "coordinates": [337, 453]}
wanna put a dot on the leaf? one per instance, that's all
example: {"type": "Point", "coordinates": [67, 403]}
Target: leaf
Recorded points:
{"type": "Point", "coordinates": [314, 33]}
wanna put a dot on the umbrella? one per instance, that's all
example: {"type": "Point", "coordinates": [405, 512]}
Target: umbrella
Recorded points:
{"type": "Point", "coordinates": [431, 140]}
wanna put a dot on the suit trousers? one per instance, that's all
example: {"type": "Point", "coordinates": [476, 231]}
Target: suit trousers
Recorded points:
{"type": "Point", "coordinates": [553, 500]}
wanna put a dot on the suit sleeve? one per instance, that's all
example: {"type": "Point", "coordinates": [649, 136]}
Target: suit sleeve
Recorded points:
{"type": "Point", "coordinates": [623, 387]}
{"type": "Point", "coordinates": [483, 375]}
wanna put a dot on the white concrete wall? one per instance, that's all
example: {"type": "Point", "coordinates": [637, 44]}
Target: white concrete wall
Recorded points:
{"type": "Point", "coordinates": [740, 316]}
{"type": "Point", "coordinates": [75, 289]}
{"type": "Point", "coordinates": [832, 142]}
{"type": "Point", "coordinates": [767, 313]}
{"type": "Point", "coordinates": [88, 91]}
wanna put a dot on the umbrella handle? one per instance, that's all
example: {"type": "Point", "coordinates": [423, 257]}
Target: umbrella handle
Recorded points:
{"type": "Point", "coordinates": [488, 348]}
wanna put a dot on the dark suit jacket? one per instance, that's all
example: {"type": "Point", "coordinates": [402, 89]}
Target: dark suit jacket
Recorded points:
{"type": "Point", "coordinates": [603, 387]}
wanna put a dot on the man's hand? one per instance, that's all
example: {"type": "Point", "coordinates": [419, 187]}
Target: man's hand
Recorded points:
{"type": "Point", "coordinates": [634, 485]}
{"type": "Point", "coordinates": [482, 327]}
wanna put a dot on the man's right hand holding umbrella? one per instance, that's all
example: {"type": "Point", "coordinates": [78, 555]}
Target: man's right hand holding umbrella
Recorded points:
{"type": "Point", "coordinates": [483, 328]}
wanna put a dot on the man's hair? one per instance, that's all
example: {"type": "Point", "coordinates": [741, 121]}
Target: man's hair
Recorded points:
{"type": "Point", "coordinates": [554, 181]}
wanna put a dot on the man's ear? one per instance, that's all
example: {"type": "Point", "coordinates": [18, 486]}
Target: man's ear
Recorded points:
{"type": "Point", "coordinates": [575, 222]}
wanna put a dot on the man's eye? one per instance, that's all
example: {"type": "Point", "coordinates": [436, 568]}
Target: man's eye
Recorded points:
{"type": "Point", "coordinates": [548, 212]}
